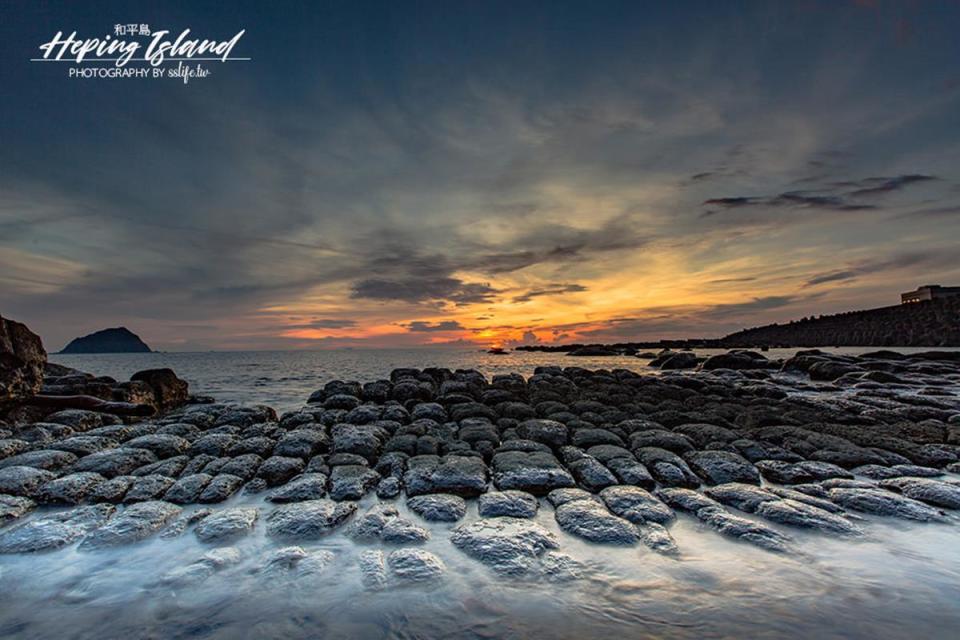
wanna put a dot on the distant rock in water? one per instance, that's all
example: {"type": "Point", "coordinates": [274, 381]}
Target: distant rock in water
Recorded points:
{"type": "Point", "coordinates": [117, 340]}
{"type": "Point", "coordinates": [594, 350]}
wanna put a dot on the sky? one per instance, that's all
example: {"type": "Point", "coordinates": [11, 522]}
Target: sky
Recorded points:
{"type": "Point", "coordinates": [465, 173]}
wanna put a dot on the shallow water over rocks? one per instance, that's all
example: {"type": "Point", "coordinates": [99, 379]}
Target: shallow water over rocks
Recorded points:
{"type": "Point", "coordinates": [715, 504]}
{"type": "Point", "coordinates": [901, 580]}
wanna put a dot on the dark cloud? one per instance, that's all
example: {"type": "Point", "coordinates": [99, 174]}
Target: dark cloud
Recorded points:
{"type": "Point", "coordinates": [765, 303]}
{"type": "Point", "coordinates": [556, 244]}
{"type": "Point", "coordinates": [933, 212]}
{"type": "Point", "coordinates": [732, 280]}
{"type": "Point", "coordinates": [790, 199]}
{"type": "Point", "coordinates": [935, 258]}
{"type": "Point", "coordinates": [325, 323]}
{"type": "Point", "coordinates": [877, 186]}
{"type": "Point", "coordinates": [834, 203]}
{"type": "Point", "coordinates": [413, 289]}
{"type": "Point", "coordinates": [687, 321]}
{"type": "Point", "coordinates": [425, 326]}
{"type": "Point", "coordinates": [734, 202]}
{"type": "Point", "coordinates": [833, 276]}
{"type": "Point", "coordinates": [835, 196]}
{"type": "Point", "coordinates": [637, 329]}
{"type": "Point", "coordinates": [495, 263]}
{"type": "Point", "coordinates": [550, 290]}
{"type": "Point", "coordinates": [458, 343]}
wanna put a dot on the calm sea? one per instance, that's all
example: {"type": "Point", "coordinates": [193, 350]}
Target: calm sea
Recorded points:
{"type": "Point", "coordinates": [284, 379]}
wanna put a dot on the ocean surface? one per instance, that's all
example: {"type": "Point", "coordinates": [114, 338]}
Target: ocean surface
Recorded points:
{"type": "Point", "coordinates": [285, 379]}
{"type": "Point", "coordinates": [900, 580]}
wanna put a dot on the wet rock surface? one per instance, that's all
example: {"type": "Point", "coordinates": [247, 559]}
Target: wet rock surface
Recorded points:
{"type": "Point", "coordinates": [507, 545]}
{"type": "Point", "coordinates": [55, 530]}
{"type": "Point", "coordinates": [373, 569]}
{"type": "Point", "coordinates": [513, 503]}
{"type": "Point", "coordinates": [111, 463]}
{"type": "Point", "coordinates": [536, 472]}
{"type": "Point", "coordinates": [369, 525]}
{"type": "Point", "coordinates": [657, 538]}
{"type": "Point", "coordinates": [415, 565]}
{"type": "Point", "coordinates": [14, 507]}
{"type": "Point", "coordinates": [945, 495]}
{"type": "Point", "coordinates": [718, 467]}
{"type": "Point", "coordinates": [883, 503]}
{"type": "Point", "coordinates": [188, 488]}
{"type": "Point", "coordinates": [23, 481]}
{"type": "Point", "coordinates": [69, 489]}
{"type": "Point", "coordinates": [403, 531]}
{"type": "Point", "coordinates": [459, 475]}
{"type": "Point", "coordinates": [743, 529]}
{"type": "Point", "coordinates": [352, 482]}
{"type": "Point", "coordinates": [226, 524]}
{"type": "Point", "coordinates": [202, 568]}
{"type": "Point", "coordinates": [438, 507]}
{"type": "Point", "coordinates": [636, 505]}
{"type": "Point", "coordinates": [308, 520]}
{"type": "Point", "coordinates": [220, 487]}
{"type": "Point", "coordinates": [132, 524]}
{"type": "Point", "coordinates": [590, 520]}
{"type": "Point", "coordinates": [801, 514]}
{"type": "Point", "coordinates": [309, 486]}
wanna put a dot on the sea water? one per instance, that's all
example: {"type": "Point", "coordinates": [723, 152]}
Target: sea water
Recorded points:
{"type": "Point", "coordinates": [285, 379]}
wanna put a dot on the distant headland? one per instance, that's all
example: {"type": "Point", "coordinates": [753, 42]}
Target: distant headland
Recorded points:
{"type": "Point", "coordinates": [926, 317]}
{"type": "Point", "coordinates": [115, 340]}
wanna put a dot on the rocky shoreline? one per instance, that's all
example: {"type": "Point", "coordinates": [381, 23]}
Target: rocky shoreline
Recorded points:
{"type": "Point", "coordinates": [752, 449]}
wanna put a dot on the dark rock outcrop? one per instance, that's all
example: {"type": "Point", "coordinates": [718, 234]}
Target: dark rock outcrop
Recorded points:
{"type": "Point", "coordinates": [169, 391]}
{"type": "Point", "coordinates": [593, 351]}
{"type": "Point", "coordinates": [737, 360]}
{"type": "Point", "coordinates": [116, 340]}
{"type": "Point", "coordinates": [22, 359]}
